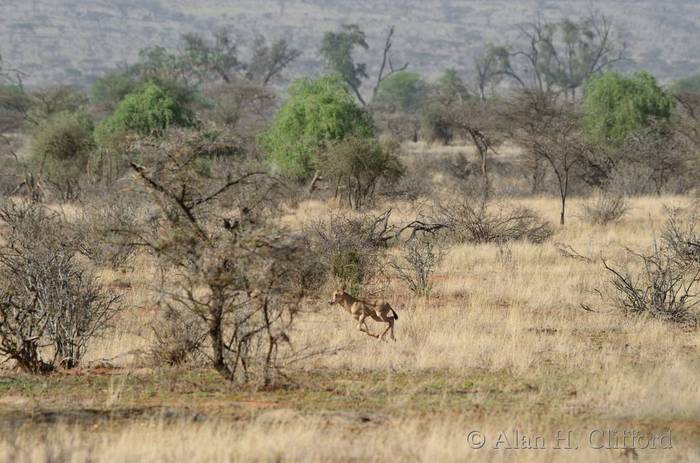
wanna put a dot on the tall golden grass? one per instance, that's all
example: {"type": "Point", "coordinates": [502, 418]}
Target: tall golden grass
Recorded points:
{"type": "Point", "coordinates": [515, 308]}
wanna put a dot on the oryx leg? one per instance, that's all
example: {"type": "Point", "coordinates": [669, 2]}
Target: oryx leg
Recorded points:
{"type": "Point", "coordinates": [390, 327]}
{"type": "Point", "coordinates": [363, 322]}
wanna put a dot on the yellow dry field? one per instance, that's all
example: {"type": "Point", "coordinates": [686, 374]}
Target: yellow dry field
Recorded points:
{"type": "Point", "coordinates": [503, 356]}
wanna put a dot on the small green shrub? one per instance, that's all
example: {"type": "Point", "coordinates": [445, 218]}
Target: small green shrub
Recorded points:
{"type": "Point", "coordinates": [147, 112]}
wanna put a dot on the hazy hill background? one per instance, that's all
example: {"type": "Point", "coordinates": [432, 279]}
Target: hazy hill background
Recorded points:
{"type": "Point", "coordinates": [58, 41]}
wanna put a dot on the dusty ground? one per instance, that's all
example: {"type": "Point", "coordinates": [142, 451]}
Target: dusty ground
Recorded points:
{"type": "Point", "coordinates": [502, 347]}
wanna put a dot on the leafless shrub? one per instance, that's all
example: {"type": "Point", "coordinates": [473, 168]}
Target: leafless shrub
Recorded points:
{"type": "Point", "coordinates": [411, 186]}
{"type": "Point", "coordinates": [661, 152]}
{"type": "Point", "coordinates": [661, 289]}
{"type": "Point", "coordinates": [179, 338]}
{"type": "Point", "coordinates": [50, 305]}
{"type": "Point", "coordinates": [604, 208]}
{"type": "Point", "coordinates": [631, 179]}
{"type": "Point", "coordinates": [12, 172]}
{"type": "Point", "coordinates": [100, 230]}
{"type": "Point", "coordinates": [482, 222]}
{"type": "Point", "coordinates": [682, 237]}
{"type": "Point", "coordinates": [351, 249]}
{"type": "Point", "coordinates": [415, 267]}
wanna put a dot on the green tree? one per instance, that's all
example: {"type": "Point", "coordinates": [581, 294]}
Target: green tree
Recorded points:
{"type": "Point", "coordinates": [201, 60]}
{"type": "Point", "coordinates": [148, 112]}
{"type": "Point", "coordinates": [318, 114]}
{"type": "Point", "coordinates": [616, 106]}
{"type": "Point", "coordinates": [402, 90]}
{"type": "Point", "coordinates": [337, 49]}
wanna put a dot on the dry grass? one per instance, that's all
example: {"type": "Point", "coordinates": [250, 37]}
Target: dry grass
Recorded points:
{"type": "Point", "coordinates": [284, 435]}
{"type": "Point", "coordinates": [502, 344]}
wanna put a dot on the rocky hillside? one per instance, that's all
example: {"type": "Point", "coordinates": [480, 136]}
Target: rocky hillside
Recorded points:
{"type": "Point", "coordinates": [75, 40]}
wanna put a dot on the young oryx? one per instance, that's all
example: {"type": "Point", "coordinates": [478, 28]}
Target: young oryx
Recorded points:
{"type": "Point", "coordinates": [381, 312]}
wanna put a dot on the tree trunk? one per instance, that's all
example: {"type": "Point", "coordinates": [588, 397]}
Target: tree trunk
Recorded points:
{"type": "Point", "coordinates": [564, 193]}
{"type": "Point", "coordinates": [563, 210]}
{"type": "Point", "coordinates": [314, 180]}
{"type": "Point", "coordinates": [216, 336]}
{"type": "Point", "coordinates": [485, 178]}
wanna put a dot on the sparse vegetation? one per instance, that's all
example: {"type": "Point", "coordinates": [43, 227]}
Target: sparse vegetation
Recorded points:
{"type": "Point", "coordinates": [416, 266]}
{"type": "Point", "coordinates": [170, 281]}
{"type": "Point", "coordinates": [661, 289]}
{"type": "Point", "coordinates": [604, 208]}
{"type": "Point", "coordinates": [682, 237]}
{"type": "Point", "coordinates": [51, 306]}
{"type": "Point", "coordinates": [60, 151]}
{"type": "Point", "coordinates": [484, 222]}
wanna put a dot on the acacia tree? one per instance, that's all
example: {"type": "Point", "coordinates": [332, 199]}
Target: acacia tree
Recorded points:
{"type": "Point", "coordinates": [441, 107]}
{"type": "Point", "coordinates": [245, 108]}
{"type": "Point", "coordinates": [449, 88]}
{"type": "Point", "coordinates": [269, 61]}
{"type": "Point", "coordinates": [55, 99]}
{"type": "Point", "coordinates": [14, 108]}
{"type": "Point", "coordinates": [689, 115]}
{"type": "Point", "coordinates": [337, 49]}
{"type": "Point", "coordinates": [202, 61]}
{"type": "Point", "coordinates": [492, 65]}
{"type": "Point", "coordinates": [554, 56]}
{"type": "Point", "coordinates": [15, 105]}
{"type": "Point", "coordinates": [663, 151]}
{"type": "Point", "coordinates": [477, 121]}
{"type": "Point", "coordinates": [550, 131]}
{"type": "Point", "coordinates": [237, 273]}
{"type": "Point", "coordinates": [387, 69]}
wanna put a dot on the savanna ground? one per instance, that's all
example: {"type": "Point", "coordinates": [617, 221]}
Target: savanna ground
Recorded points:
{"type": "Point", "coordinates": [514, 338]}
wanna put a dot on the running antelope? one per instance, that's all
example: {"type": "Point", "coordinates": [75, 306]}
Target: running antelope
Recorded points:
{"type": "Point", "coordinates": [361, 310]}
